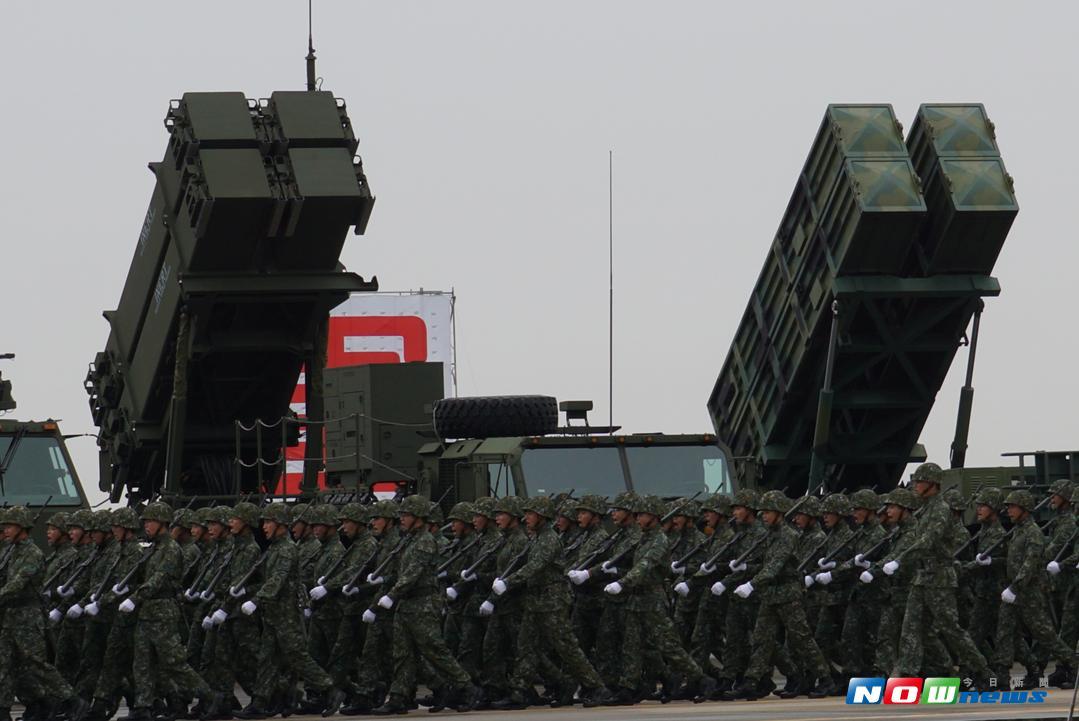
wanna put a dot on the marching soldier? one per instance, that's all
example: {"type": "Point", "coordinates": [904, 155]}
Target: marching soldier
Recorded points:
{"type": "Point", "coordinates": [685, 538]}
{"type": "Point", "coordinates": [859, 636]}
{"type": "Point", "coordinates": [588, 597]}
{"type": "Point", "coordinates": [833, 592]}
{"type": "Point", "coordinates": [708, 626]}
{"type": "Point", "coordinates": [1065, 595]}
{"type": "Point", "coordinates": [986, 569]}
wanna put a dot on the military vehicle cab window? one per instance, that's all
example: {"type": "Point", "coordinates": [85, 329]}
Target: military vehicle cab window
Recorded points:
{"type": "Point", "coordinates": [549, 470]}
{"type": "Point", "coordinates": [38, 470]}
{"type": "Point", "coordinates": [678, 470]}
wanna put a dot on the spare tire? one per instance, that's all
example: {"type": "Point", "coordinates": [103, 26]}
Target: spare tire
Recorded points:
{"type": "Point", "coordinates": [495, 416]}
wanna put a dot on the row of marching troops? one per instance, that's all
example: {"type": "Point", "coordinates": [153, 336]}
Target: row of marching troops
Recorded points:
{"type": "Point", "coordinates": [351, 609]}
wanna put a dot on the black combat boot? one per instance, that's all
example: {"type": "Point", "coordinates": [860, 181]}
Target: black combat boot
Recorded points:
{"type": "Point", "coordinates": [564, 695]}
{"type": "Point", "coordinates": [334, 698]}
{"type": "Point", "coordinates": [792, 688]}
{"type": "Point", "coordinates": [393, 705]}
{"type": "Point", "coordinates": [596, 697]}
{"type": "Point", "coordinates": [515, 701]}
{"type": "Point", "coordinates": [825, 687]}
{"type": "Point", "coordinates": [358, 705]}
{"type": "Point", "coordinates": [138, 714]}
{"type": "Point", "coordinates": [1063, 676]}
{"type": "Point", "coordinates": [257, 709]}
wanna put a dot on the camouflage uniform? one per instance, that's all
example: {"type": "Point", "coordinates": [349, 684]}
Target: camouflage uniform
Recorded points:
{"type": "Point", "coordinates": [931, 606]}
{"type": "Point", "coordinates": [741, 613]}
{"type": "Point", "coordinates": [457, 624]}
{"type": "Point", "coordinates": [69, 637]}
{"type": "Point", "coordinates": [326, 614]}
{"type": "Point", "coordinates": [1029, 609]}
{"type": "Point", "coordinates": [59, 563]}
{"type": "Point", "coordinates": [859, 636]}
{"type": "Point", "coordinates": [1062, 585]}
{"type": "Point", "coordinates": [545, 611]}
{"type": "Point", "coordinates": [897, 586]}
{"type": "Point", "coordinates": [374, 673]}
{"type": "Point", "coordinates": [709, 625]}
{"type": "Point", "coordinates": [472, 595]}
{"type": "Point", "coordinates": [682, 543]}
{"type": "Point", "coordinates": [116, 673]}
{"type": "Point", "coordinates": [834, 597]}
{"type": "Point", "coordinates": [95, 636]}
{"type": "Point", "coordinates": [351, 631]}
{"type": "Point", "coordinates": [503, 626]}
{"type": "Point", "coordinates": [158, 653]}
{"type": "Point", "coordinates": [588, 596]}
{"type": "Point", "coordinates": [236, 641]}
{"type": "Point", "coordinates": [987, 581]}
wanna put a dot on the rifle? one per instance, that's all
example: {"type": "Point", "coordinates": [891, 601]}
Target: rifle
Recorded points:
{"type": "Point", "coordinates": [457, 554]}
{"type": "Point", "coordinates": [56, 574]}
{"type": "Point", "coordinates": [122, 587]}
{"type": "Point", "coordinates": [66, 585]}
{"type": "Point", "coordinates": [207, 593]}
{"type": "Point", "coordinates": [41, 511]}
{"type": "Point", "coordinates": [480, 559]}
{"type": "Point", "coordinates": [1067, 544]}
{"type": "Point", "coordinates": [513, 566]}
{"type": "Point", "coordinates": [973, 539]}
{"type": "Point", "coordinates": [699, 547]}
{"type": "Point", "coordinates": [711, 561]}
{"type": "Point", "coordinates": [882, 543]}
{"type": "Point", "coordinates": [749, 551]}
{"type": "Point", "coordinates": [239, 585]}
{"type": "Point", "coordinates": [105, 579]}
{"type": "Point", "coordinates": [406, 539]}
{"type": "Point", "coordinates": [677, 509]}
{"type": "Point", "coordinates": [191, 592]}
{"type": "Point", "coordinates": [1000, 541]}
{"type": "Point", "coordinates": [849, 540]}
{"type": "Point", "coordinates": [7, 556]}
{"type": "Point", "coordinates": [613, 560]}
{"type": "Point", "coordinates": [601, 550]}
{"type": "Point", "coordinates": [794, 509]}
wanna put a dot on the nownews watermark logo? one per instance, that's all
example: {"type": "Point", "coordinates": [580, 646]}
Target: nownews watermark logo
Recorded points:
{"type": "Point", "coordinates": [937, 691]}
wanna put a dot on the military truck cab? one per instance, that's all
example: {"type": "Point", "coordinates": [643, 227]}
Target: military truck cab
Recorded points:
{"type": "Point", "coordinates": [603, 464]}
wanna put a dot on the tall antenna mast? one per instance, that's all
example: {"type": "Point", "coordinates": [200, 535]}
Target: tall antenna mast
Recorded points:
{"type": "Point", "coordinates": [610, 296]}
{"type": "Point", "coordinates": [310, 51]}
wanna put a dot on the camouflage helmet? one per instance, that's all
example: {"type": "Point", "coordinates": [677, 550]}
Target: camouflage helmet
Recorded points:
{"type": "Point", "coordinates": [462, 512]}
{"type": "Point", "coordinates": [220, 514]}
{"type": "Point", "coordinates": [808, 505]}
{"type": "Point", "coordinates": [902, 497]}
{"type": "Point", "coordinates": [717, 503]}
{"type": "Point", "coordinates": [624, 501]}
{"type": "Point", "coordinates": [58, 520]}
{"type": "Point", "coordinates": [1022, 498]}
{"type": "Point", "coordinates": [202, 516]}
{"type": "Point", "coordinates": [836, 503]}
{"type": "Point", "coordinates": [101, 521]}
{"type": "Point", "coordinates": [82, 518]}
{"type": "Point", "coordinates": [568, 509]}
{"type": "Point", "coordinates": [774, 501]}
{"type": "Point", "coordinates": [382, 509]}
{"type": "Point", "coordinates": [955, 500]}
{"type": "Point", "coordinates": [650, 504]}
{"type": "Point", "coordinates": [591, 503]}
{"type": "Point", "coordinates": [484, 506]}
{"type": "Point", "coordinates": [355, 512]}
{"type": "Point", "coordinates": [989, 496]}
{"type": "Point", "coordinates": [184, 518]}
{"type": "Point", "coordinates": [126, 518]}
{"type": "Point", "coordinates": [508, 504]}
{"type": "Point", "coordinates": [246, 512]}
{"type": "Point", "coordinates": [19, 516]}
{"type": "Point", "coordinates": [686, 507]}
{"type": "Point", "coordinates": [435, 514]}
{"type": "Point", "coordinates": [865, 498]}
{"type": "Point", "coordinates": [541, 505]}
{"type": "Point", "coordinates": [929, 472]}
{"type": "Point", "coordinates": [276, 512]}
{"type": "Point", "coordinates": [746, 498]}
{"type": "Point", "coordinates": [416, 505]}
{"type": "Point", "coordinates": [156, 511]}
{"type": "Point", "coordinates": [1062, 488]}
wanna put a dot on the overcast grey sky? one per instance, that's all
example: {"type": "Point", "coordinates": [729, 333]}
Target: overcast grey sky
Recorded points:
{"type": "Point", "coordinates": [484, 129]}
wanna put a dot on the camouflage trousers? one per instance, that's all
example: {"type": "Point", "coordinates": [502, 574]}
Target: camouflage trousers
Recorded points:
{"type": "Point", "coordinates": [499, 652]}
{"type": "Point", "coordinates": [1069, 616]}
{"type": "Point", "coordinates": [931, 614]}
{"type": "Point", "coordinates": [22, 659]}
{"type": "Point", "coordinates": [859, 635]}
{"type": "Point", "coordinates": [119, 654]}
{"type": "Point", "coordinates": [95, 640]}
{"type": "Point", "coordinates": [741, 618]}
{"type": "Point", "coordinates": [889, 630]}
{"type": "Point", "coordinates": [348, 645]}
{"type": "Point", "coordinates": [1029, 613]}
{"type": "Point", "coordinates": [69, 648]}
{"type": "Point", "coordinates": [708, 630]}
{"type": "Point", "coordinates": [829, 633]}
{"type": "Point", "coordinates": [685, 613]}
{"type": "Point", "coordinates": [196, 637]}
{"type": "Point", "coordinates": [464, 636]}
{"type": "Point", "coordinates": [790, 618]}
{"type": "Point", "coordinates": [650, 633]}
{"type": "Point", "coordinates": [322, 635]}
{"type": "Point", "coordinates": [417, 634]}
{"type": "Point", "coordinates": [283, 654]}
{"type": "Point", "coordinates": [585, 616]}
{"type": "Point", "coordinates": [539, 632]}
{"type": "Point", "coordinates": [158, 656]}
{"type": "Point", "coordinates": [983, 617]}
{"type": "Point", "coordinates": [235, 643]}
{"type": "Point", "coordinates": [374, 673]}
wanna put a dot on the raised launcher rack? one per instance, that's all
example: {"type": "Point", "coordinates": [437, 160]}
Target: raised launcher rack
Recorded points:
{"type": "Point", "coordinates": [899, 240]}
{"type": "Point", "coordinates": [228, 293]}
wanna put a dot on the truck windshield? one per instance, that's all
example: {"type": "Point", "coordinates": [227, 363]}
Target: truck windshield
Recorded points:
{"type": "Point", "coordinates": [38, 470]}
{"type": "Point", "coordinates": [678, 470]}
{"type": "Point", "coordinates": [588, 470]}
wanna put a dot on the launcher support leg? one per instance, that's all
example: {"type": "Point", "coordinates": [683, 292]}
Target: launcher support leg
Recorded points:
{"type": "Point", "coordinates": [823, 429]}
{"type": "Point", "coordinates": [174, 452]}
{"type": "Point", "coordinates": [316, 410]}
{"type": "Point", "coordinates": [966, 397]}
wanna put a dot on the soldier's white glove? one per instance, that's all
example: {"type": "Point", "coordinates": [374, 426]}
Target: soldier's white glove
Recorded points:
{"type": "Point", "coordinates": [809, 580]}
{"type": "Point", "coordinates": [248, 608]}
{"type": "Point", "coordinates": [860, 562]}
{"type": "Point", "coordinates": [578, 577]}
{"type": "Point", "coordinates": [499, 586]}
{"type": "Point", "coordinates": [350, 590]}
{"type": "Point", "coordinates": [1053, 568]}
{"type": "Point", "coordinates": [190, 595]}
{"type": "Point", "coordinates": [451, 593]}
{"type": "Point", "coordinates": [718, 588]}
{"type": "Point", "coordinates": [91, 608]}
{"type": "Point", "coordinates": [891, 567]}
{"type": "Point", "coordinates": [1008, 595]}
{"type": "Point", "coordinates": [317, 593]}
{"type": "Point", "coordinates": [207, 623]}
{"type": "Point", "coordinates": [613, 588]}
{"type": "Point", "coordinates": [735, 566]}
{"type": "Point", "coordinates": [75, 611]}
{"type": "Point", "coordinates": [442, 574]}
{"type": "Point", "coordinates": [866, 577]}
{"type": "Point", "coordinates": [65, 592]}
{"type": "Point", "coordinates": [467, 577]}
{"type": "Point", "coordinates": [368, 616]}
{"type": "Point", "coordinates": [824, 578]}
{"type": "Point", "coordinates": [609, 569]}
{"type": "Point", "coordinates": [487, 608]}
{"type": "Point", "coordinates": [127, 606]}
{"type": "Point", "coordinates": [219, 616]}
{"type": "Point", "coordinates": [708, 568]}
{"type": "Point", "coordinates": [375, 580]}
{"type": "Point", "coordinates": [983, 560]}
{"type": "Point", "coordinates": [207, 595]}
{"type": "Point", "coordinates": [120, 590]}
{"type": "Point", "coordinates": [682, 588]}
{"type": "Point", "coordinates": [237, 592]}
{"type": "Point", "coordinates": [321, 581]}
{"type": "Point", "coordinates": [307, 613]}
{"type": "Point", "coordinates": [385, 602]}
{"type": "Point", "coordinates": [825, 565]}
{"type": "Point", "coordinates": [47, 593]}
{"type": "Point", "coordinates": [55, 615]}
{"type": "Point", "coordinates": [677, 568]}
{"type": "Point", "coordinates": [744, 590]}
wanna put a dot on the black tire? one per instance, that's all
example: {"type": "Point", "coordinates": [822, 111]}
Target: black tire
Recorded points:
{"type": "Point", "coordinates": [496, 416]}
